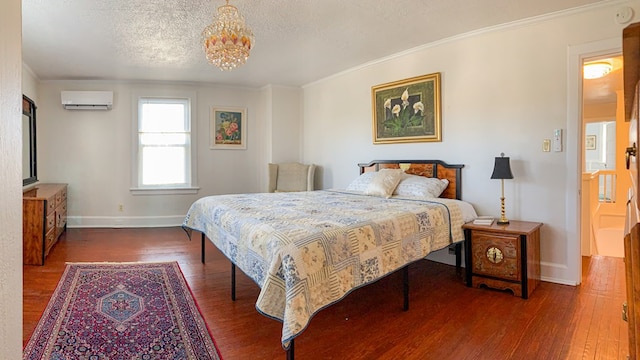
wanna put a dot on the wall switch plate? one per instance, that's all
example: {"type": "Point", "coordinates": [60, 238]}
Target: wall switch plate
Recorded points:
{"type": "Point", "coordinates": [557, 140]}
{"type": "Point", "coordinates": [546, 145]}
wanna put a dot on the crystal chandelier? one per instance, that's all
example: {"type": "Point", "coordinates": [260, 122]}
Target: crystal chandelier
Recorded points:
{"type": "Point", "coordinates": [227, 41]}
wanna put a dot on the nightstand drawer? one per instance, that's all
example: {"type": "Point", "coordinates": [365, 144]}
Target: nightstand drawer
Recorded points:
{"type": "Point", "coordinates": [496, 255]}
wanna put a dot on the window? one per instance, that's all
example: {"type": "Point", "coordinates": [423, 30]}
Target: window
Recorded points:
{"type": "Point", "coordinates": [164, 146]}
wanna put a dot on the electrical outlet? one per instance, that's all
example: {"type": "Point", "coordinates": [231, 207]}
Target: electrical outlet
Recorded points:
{"type": "Point", "coordinates": [120, 208]}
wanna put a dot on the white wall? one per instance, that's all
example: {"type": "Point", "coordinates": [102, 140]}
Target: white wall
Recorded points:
{"type": "Point", "coordinates": [91, 151]}
{"type": "Point", "coordinates": [281, 130]}
{"type": "Point", "coordinates": [287, 125]}
{"type": "Point", "coordinates": [10, 180]}
{"type": "Point", "coordinates": [29, 84]}
{"type": "Point", "coordinates": [503, 90]}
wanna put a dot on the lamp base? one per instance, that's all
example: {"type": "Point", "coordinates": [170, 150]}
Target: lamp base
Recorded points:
{"type": "Point", "coordinates": [503, 219]}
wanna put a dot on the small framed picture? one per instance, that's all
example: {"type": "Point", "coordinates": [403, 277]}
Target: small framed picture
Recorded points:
{"type": "Point", "coordinates": [228, 128]}
{"type": "Point", "coordinates": [590, 142]}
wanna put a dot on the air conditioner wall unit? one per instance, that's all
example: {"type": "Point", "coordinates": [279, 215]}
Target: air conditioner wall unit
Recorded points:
{"type": "Point", "coordinates": [87, 100]}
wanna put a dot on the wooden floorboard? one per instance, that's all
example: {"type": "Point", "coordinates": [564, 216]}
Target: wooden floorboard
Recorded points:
{"type": "Point", "coordinates": [446, 319]}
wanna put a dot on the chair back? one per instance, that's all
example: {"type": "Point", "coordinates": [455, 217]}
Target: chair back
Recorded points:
{"type": "Point", "coordinates": [287, 177]}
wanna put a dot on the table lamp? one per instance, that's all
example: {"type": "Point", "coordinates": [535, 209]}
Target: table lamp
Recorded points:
{"type": "Point", "coordinates": [502, 170]}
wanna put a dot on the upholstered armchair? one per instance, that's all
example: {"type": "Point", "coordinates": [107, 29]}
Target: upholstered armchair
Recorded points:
{"type": "Point", "coordinates": [287, 177]}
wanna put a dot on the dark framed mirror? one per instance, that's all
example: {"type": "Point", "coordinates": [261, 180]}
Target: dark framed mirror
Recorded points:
{"type": "Point", "coordinates": [29, 162]}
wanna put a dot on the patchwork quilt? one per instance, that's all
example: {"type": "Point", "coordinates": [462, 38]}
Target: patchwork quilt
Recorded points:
{"type": "Point", "coordinates": [307, 250]}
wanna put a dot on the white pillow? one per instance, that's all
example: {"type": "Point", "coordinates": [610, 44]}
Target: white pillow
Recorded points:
{"type": "Point", "coordinates": [361, 182]}
{"type": "Point", "coordinates": [384, 182]}
{"type": "Point", "coordinates": [420, 186]}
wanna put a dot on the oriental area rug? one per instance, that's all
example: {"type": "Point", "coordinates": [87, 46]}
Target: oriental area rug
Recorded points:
{"type": "Point", "coordinates": [122, 311]}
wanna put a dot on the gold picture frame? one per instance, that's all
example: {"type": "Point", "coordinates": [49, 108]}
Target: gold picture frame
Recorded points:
{"type": "Point", "coordinates": [407, 110]}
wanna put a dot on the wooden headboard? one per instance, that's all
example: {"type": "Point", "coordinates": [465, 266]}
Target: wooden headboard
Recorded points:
{"type": "Point", "coordinates": [428, 168]}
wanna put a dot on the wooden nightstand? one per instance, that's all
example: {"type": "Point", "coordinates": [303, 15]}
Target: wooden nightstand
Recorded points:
{"type": "Point", "coordinates": [503, 256]}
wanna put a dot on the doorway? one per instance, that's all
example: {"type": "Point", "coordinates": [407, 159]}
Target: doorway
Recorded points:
{"type": "Point", "coordinates": [605, 134]}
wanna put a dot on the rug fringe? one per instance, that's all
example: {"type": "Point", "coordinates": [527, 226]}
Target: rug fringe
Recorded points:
{"type": "Point", "coordinates": [118, 262]}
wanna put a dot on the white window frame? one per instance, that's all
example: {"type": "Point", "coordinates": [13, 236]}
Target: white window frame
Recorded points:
{"type": "Point", "coordinates": [136, 187]}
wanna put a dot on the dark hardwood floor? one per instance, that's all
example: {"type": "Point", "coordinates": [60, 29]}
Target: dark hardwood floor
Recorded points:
{"type": "Point", "coordinates": [446, 320]}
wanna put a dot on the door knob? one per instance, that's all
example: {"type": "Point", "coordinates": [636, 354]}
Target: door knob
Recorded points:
{"type": "Point", "coordinates": [631, 151]}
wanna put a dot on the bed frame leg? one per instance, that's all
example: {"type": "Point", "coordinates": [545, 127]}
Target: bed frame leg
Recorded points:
{"type": "Point", "coordinates": [233, 281]}
{"type": "Point", "coordinates": [290, 352]}
{"type": "Point", "coordinates": [405, 287]}
{"type": "Point", "coordinates": [458, 252]}
{"type": "Point", "coordinates": [202, 251]}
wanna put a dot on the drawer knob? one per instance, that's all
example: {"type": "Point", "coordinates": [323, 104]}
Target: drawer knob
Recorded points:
{"type": "Point", "coordinates": [494, 255]}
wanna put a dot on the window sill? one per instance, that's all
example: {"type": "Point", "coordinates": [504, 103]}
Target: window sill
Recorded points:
{"type": "Point", "coordinates": [164, 191]}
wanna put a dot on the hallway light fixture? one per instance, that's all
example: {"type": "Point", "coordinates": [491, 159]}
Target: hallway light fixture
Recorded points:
{"type": "Point", "coordinates": [502, 170]}
{"type": "Point", "coordinates": [596, 69]}
{"type": "Point", "coordinates": [227, 41]}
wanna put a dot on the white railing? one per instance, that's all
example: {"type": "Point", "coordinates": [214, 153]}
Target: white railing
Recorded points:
{"type": "Point", "coordinates": [606, 185]}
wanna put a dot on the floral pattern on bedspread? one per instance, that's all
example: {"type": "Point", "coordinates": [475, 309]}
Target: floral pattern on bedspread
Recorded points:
{"type": "Point", "coordinates": [307, 250]}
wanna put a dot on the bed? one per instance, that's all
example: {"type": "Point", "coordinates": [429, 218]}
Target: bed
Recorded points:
{"type": "Point", "coordinates": [308, 250]}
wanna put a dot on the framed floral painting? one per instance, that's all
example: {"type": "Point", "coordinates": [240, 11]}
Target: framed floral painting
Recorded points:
{"type": "Point", "coordinates": [407, 110]}
{"type": "Point", "coordinates": [228, 128]}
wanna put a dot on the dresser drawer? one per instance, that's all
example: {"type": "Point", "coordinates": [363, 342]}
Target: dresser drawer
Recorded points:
{"type": "Point", "coordinates": [51, 222]}
{"type": "Point", "coordinates": [61, 218]}
{"type": "Point", "coordinates": [61, 196]}
{"type": "Point", "coordinates": [62, 209]}
{"type": "Point", "coordinates": [62, 221]}
{"type": "Point", "coordinates": [496, 255]}
{"type": "Point", "coordinates": [51, 205]}
{"type": "Point", "coordinates": [58, 198]}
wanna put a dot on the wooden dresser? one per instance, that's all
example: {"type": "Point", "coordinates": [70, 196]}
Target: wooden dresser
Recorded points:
{"type": "Point", "coordinates": [44, 218]}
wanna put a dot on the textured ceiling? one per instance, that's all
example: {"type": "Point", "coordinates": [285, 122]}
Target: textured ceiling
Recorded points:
{"type": "Point", "coordinates": [297, 42]}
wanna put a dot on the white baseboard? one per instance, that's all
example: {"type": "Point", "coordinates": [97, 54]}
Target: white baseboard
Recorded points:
{"type": "Point", "coordinates": [124, 221]}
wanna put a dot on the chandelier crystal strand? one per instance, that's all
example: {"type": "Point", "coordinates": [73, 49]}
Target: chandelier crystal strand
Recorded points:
{"type": "Point", "coordinates": [227, 41]}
